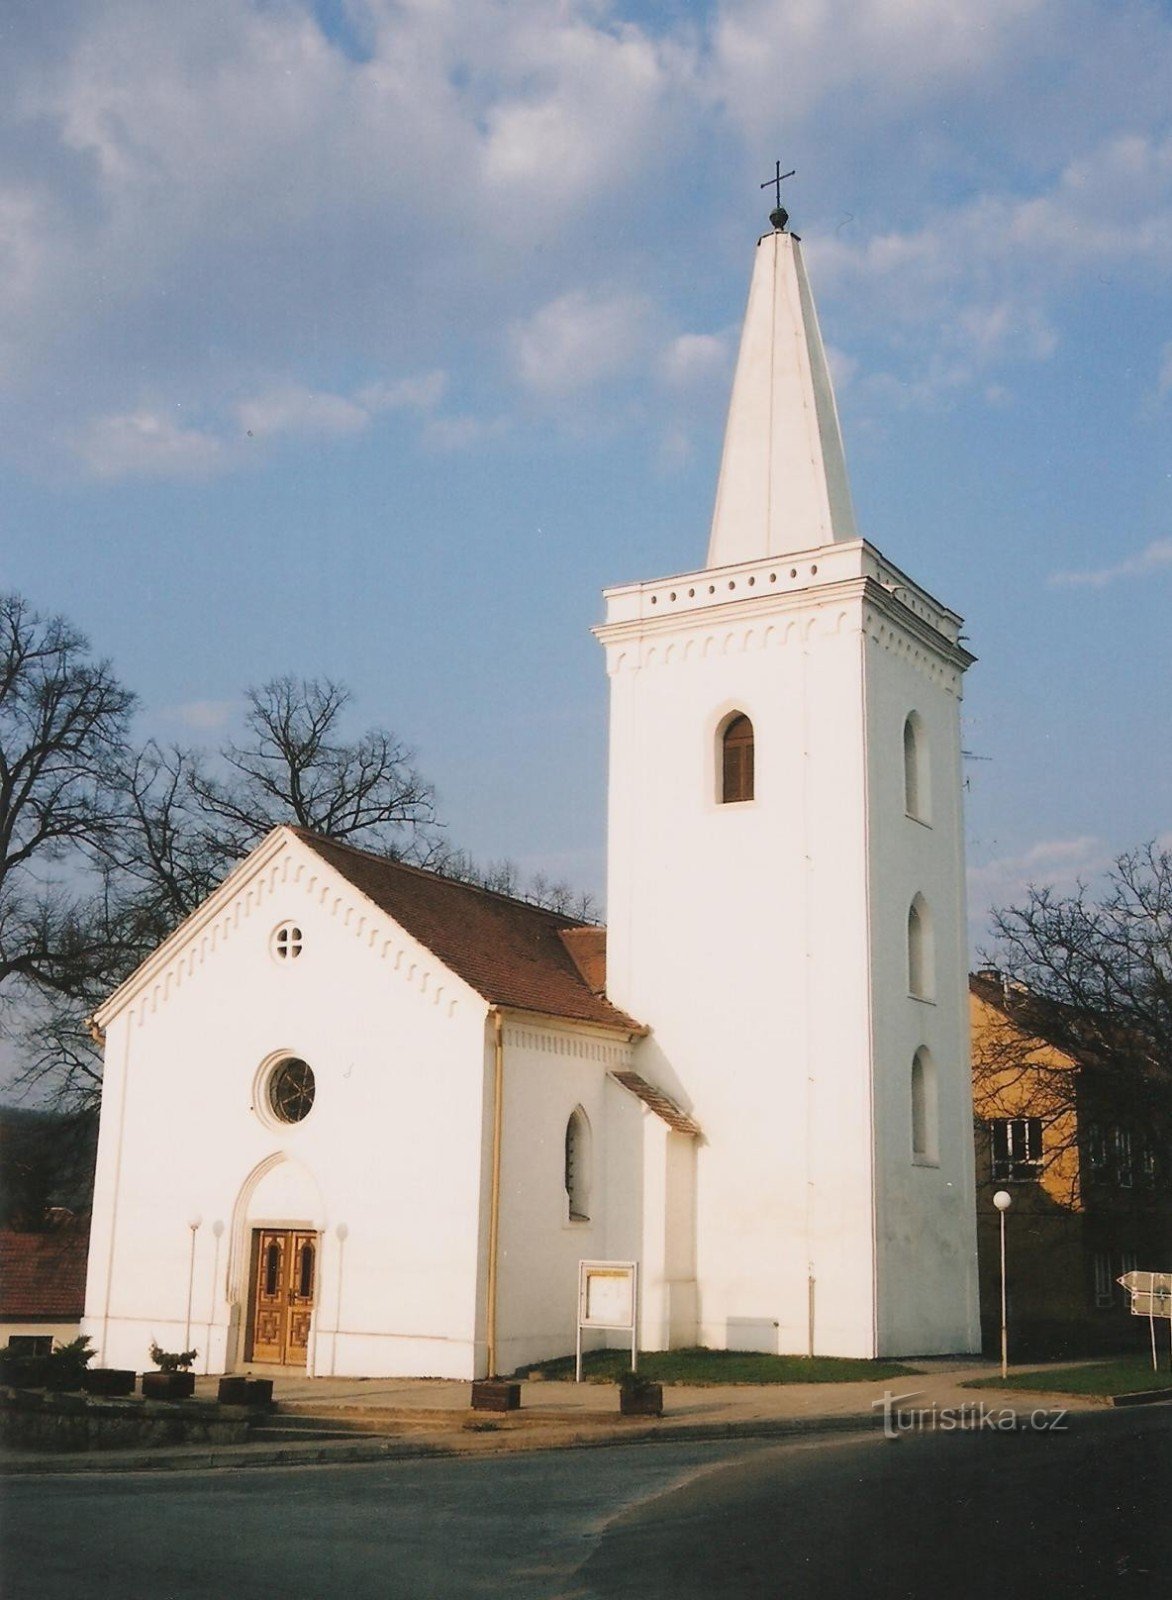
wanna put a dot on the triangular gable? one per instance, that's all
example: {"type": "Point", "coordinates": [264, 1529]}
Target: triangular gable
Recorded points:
{"type": "Point", "coordinates": [502, 951]}
{"type": "Point", "coordinates": [280, 856]}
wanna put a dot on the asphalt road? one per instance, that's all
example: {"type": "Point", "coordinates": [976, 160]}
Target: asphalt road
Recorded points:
{"type": "Point", "coordinates": [1079, 1513]}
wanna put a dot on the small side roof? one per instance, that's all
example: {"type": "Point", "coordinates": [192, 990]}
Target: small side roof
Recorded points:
{"type": "Point", "coordinates": [655, 1100]}
{"type": "Point", "coordinates": [514, 954]}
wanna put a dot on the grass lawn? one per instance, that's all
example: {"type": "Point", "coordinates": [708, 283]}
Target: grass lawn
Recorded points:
{"type": "Point", "coordinates": [1104, 1377]}
{"type": "Point", "coordinates": [701, 1366]}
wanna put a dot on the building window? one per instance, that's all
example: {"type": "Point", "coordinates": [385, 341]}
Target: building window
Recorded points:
{"type": "Point", "coordinates": [1147, 1164]}
{"type": "Point", "coordinates": [1104, 1282]}
{"type": "Point", "coordinates": [577, 1170]}
{"type": "Point", "coordinates": [1017, 1149]}
{"type": "Point", "coordinates": [305, 1271]}
{"type": "Point", "coordinates": [1096, 1151]}
{"type": "Point", "coordinates": [291, 1090]}
{"type": "Point", "coordinates": [921, 960]}
{"type": "Point", "coordinates": [916, 783]}
{"type": "Point", "coordinates": [737, 775]}
{"type": "Point", "coordinates": [286, 943]}
{"type": "Point", "coordinates": [1121, 1157]}
{"type": "Point", "coordinates": [925, 1138]}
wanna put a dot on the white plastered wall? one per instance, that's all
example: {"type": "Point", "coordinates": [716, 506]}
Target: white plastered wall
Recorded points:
{"type": "Point", "coordinates": [926, 1234]}
{"type": "Point", "coordinates": [386, 1167]}
{"type": "Point", "coordinates": [740, 932]}
{"type": "Point", "coordinates": [757, 939]}
{"type": "Point", "coordinates": [549, 1072]}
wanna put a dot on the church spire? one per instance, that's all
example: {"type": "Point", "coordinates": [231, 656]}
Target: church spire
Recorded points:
{"type": "Point", "coordinates": [783, 485]}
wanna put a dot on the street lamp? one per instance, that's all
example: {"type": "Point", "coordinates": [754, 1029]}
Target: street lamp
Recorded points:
{"type": "Point", "coordinates": [194, 1224]}
{"type": "Point", "coordinates": [1003, 1200]}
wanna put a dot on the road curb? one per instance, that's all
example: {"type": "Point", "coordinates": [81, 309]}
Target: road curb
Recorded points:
{"type": "Point", "coordinates": [456, 1444]}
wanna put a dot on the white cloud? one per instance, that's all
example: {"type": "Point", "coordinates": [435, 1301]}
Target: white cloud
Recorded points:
{"type": "Point", "coordinates": [200, 196]}
{"type": "Point", "coordinates": [147, 444]}
{"type": "Point", "coordinates": [875, 58]}
{"type": "Point", "coordinates": [461, 432]}
{"type": "Point", "coordinates": [294, 409]}
{"type": "Point", "coordinates": [580, 340]}
{"type": "Point", "coordinates": [693, 359]}
{"type": "Point", "coordinates": [421, 393]}
{"type": "Point", "coordinates": [979, 284]}
{"type": "Point", "coordinates": [1005, 880]}
{"type": "Point", "coordinates": [1156, 557]}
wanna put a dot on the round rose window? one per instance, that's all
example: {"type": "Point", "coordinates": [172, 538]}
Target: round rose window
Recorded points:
{"type": "Point", "coordinates": [291, 1090]}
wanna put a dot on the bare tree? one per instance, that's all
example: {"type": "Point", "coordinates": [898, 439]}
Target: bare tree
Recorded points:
{"type": "Point", "coordinates": [1083, 984]}
{"type": "Point", "coordinates": [296, 768]}
{"type": "Point", "coordinates": [63, 718]}
{"type": "Point", "coordinates": [142, 837]}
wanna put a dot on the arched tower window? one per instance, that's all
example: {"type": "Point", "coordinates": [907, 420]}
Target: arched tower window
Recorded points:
{"type": "Point", "coordinates": [736, 759]}
{"type": "Point", "coordinates": [921, 959]}
{"type": "Point", "coordinates": [925, 1134]}
{"type": "Point", "coordinates": [917, 795]}
{"type": "Point", "coordinates": [577, 1175]}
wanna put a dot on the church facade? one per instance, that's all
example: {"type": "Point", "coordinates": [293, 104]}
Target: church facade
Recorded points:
{"type": "Point", "coordinates": [359, 1119]}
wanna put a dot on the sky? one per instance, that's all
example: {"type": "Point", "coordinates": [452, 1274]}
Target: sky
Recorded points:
{"type": "Point", "coordinates": [373, 340]}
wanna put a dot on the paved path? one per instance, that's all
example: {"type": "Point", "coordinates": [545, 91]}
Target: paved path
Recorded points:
{"type": "Point", "coordinates": [401, 1418]}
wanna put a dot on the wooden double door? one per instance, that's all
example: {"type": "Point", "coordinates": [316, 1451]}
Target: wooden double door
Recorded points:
{"type": "Point", "coordinates": [284, 1271]}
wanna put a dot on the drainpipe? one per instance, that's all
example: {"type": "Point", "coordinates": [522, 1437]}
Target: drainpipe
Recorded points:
{"type": "Point", "coordinates": [494, 1204]}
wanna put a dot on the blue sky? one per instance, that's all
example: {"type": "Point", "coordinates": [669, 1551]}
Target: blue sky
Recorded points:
{"type": "Point", "coordinates": [374, 339]}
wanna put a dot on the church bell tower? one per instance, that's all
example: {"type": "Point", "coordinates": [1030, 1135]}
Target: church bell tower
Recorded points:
{"type": "Point", "coordinates": [785, 882]}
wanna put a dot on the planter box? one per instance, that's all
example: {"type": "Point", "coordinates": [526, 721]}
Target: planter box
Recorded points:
{"type": "Point", "coordinates": [245, 1392]}
{"type": "Point", "coordinates": [646, 1401]}
{"type": "Point", "coordinates": [495, 1394]}
{"type": "Point", "coordinates": [168, 1385]}
{"type": "Point", "coordinates": [109, 1380]}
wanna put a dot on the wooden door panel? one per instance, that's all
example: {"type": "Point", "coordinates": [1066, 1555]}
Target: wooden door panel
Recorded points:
{"type": "Point", "coordinates": [284, 1272]}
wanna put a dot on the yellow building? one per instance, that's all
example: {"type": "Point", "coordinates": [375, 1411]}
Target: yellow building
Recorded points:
{"type": "Point", "coordinates": [1089, 1190]}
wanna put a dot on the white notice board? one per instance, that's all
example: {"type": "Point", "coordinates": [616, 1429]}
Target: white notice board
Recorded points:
{"type": "Point", "coordinates": [608, 1297]}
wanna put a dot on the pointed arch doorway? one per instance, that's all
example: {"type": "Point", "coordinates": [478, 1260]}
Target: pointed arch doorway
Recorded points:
{"type": "Point", "coordinates": [283, 1277]}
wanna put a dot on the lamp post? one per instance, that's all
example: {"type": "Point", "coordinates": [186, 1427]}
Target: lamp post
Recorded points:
{"type": "Point", "coordinates": [1003, 1200]}
{"type": "Point", "coordinates": [343, 1233]}
{"type": "Point", "coordinates": [194, 1225]}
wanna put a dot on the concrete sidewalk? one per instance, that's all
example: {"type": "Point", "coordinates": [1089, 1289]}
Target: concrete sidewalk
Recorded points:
{"type": "Point", "coordinates": [320, 1420]}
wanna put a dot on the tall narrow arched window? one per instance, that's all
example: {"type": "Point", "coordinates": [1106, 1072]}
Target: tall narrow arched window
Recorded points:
{"type": "Point", "coordinates": [917, 795]}
{"type": "Point", "coordinates": [921, 960]}
{"type": "Point", "coordinates": [925, 1135]}
{"type": "Point", "coordinates": [577, 1173]}
{"type": "Point", "coordinates": [736, 759]}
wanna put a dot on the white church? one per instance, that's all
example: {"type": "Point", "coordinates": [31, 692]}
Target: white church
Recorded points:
{"type": "Point", "coordinates": [359, 1119]}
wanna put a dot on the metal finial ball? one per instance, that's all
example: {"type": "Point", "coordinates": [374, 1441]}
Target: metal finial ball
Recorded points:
{"type": "Point", "coordinates": [779, 218]}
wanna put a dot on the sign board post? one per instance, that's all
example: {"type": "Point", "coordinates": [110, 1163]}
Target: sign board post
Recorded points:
{"type": "Point", "coordinates": [608, 1297]}
{"type": "Point", "coordinates": [1151, 1297]}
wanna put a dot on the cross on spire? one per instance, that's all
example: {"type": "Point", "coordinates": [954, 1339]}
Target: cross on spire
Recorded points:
{"type": "Point", "coordinates": [779, 216]}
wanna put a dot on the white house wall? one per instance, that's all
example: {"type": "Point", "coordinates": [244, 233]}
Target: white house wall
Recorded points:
{"type": "Point", "coordinates": [740, 932]}
{"type": "Point", "coordinates": [549, 1072]}
{"type": "Point", "coordinates": [386, 1167]}
{"type": "Point", "coordinates": [926, 1238]}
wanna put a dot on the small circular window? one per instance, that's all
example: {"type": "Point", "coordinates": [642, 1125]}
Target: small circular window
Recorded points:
{"type": "Point", "coordinates": [287, 942]}
{"type": "Point", "coordinates": [291, 1090]}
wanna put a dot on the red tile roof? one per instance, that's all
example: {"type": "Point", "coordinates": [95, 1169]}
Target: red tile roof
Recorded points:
{"type": "Point", "coordinates": [512, 953]}
{"type": "Point", "coordinates": [42, 1275]}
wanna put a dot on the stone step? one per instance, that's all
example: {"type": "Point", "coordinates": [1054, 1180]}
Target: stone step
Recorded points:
{"type": "Point", "coordinates": [282, 1424]}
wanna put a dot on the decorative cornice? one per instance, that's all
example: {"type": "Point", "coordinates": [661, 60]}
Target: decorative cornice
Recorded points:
{"type": "Point", "coordinates": [570, 1040]}
{"type": "Point", "coordinates": [280, 862]}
